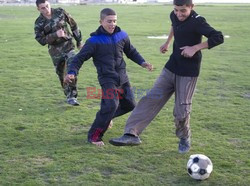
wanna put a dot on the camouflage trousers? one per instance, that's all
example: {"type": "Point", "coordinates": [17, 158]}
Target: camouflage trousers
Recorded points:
{"type": "Point", "coordinates": [61, 63]}
{"type": "Point", "coordinates": [150, 105]}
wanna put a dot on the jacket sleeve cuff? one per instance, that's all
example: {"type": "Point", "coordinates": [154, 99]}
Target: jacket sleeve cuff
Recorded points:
{"type": "Point", "coordinates": [71, 72]}
{"type": "Point", "coordinates": [140, 63]}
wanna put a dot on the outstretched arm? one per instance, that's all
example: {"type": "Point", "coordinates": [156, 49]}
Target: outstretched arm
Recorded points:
{"type": "Point", "coordinates": [135, 56]}
{"type": "Point", "coordinates": [85, 53]}
{"type": "Point", "coordinates": [148, 66]}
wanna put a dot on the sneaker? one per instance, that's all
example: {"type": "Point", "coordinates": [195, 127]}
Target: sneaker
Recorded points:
{"type": "Point", "coordinates": [184, 145]}
{"type": "Point", "coordinates": [72, 101]}
{"type": "Point", "coordinates": [126, 140]}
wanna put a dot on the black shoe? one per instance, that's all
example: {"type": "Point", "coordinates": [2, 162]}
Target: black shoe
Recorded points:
{"type": "Point", "coordinates": [184, 145]}
{"type": "Point", "coordinates": [72, 101]}
{"type": "Point", "coordinates": [125, 140]}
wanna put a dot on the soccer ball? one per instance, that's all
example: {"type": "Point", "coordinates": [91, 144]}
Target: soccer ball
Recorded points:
{"type": "Point", "coordinates": [199, 166]}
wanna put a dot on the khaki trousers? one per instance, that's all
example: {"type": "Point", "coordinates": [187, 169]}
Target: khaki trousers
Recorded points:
{"type": "Point", "coordinates": [151, 104]}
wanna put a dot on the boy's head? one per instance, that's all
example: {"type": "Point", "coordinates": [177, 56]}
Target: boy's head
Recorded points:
{"type": "Point", "coordinates": [183, 2]}
{"type": "Point", "coordinates": [43, 6]}
{"type": "Point", "coordinates": [108, 19]}
{"type": "Point", "coordinates": [183, 8]}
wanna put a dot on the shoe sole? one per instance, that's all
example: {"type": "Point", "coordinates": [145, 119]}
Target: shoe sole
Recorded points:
{"type": "Point", "coordinates": [123, 144]}
{"type": "Point", "coordinates": [184, 151]}
{"type": "Point", "coordinates": [74, 104]}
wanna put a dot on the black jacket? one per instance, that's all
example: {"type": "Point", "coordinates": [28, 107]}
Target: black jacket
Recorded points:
{"type": "Point", "coordinates": [189, 33]}
{"type": "Point", "coordinates": [107, 53]}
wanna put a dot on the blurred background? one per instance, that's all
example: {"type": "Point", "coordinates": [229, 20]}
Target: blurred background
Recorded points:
{"type": "Point", "coordinates": [11, 2]}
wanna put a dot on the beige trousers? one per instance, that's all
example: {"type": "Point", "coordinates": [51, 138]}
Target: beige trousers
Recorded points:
{"type": "Point", "coordinates": [151, 104]}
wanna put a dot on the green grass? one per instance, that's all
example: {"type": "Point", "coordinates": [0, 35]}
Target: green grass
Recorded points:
{"type": "Point", "coordinates": [43, 140]}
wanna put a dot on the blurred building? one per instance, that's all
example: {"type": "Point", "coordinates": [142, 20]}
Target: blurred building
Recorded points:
{"type": "Point", "coordinates": [86, 1]}
{"type": "Point", "coordinates": [122, 1]}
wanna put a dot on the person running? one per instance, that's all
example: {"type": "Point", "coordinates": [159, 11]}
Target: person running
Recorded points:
{"type": "Point", "coordinates": [179, 76]}
{"type": "Point", "coordinates": [106, 46]}
{"type": "Point", "coordinates": [51, 28]}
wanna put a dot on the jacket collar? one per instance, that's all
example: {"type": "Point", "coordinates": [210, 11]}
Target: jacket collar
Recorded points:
{"type": "Point", "coordinates": [101, 30]}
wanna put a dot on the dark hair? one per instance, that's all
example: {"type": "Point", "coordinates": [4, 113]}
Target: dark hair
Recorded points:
{"type": "Point", "coordinates": [183, 2]}
{"type": "Point", "coordinates": [38, 2]}
{"type": "Point", "coordinates": [106, 12]}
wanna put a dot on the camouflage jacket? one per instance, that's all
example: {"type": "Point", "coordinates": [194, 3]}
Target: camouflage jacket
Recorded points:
{"type": "Point", "coordinates": [45, 31]}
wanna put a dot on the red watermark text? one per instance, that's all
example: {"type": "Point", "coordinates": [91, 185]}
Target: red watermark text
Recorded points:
{"type": "Point", "coordinates": [94, 93]}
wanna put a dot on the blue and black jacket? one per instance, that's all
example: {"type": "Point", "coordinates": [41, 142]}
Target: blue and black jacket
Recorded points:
{"type": "Point", "coordinates": [107, 53]}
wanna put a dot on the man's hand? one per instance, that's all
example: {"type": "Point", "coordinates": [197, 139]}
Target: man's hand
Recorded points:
{"type": "Point", "coordinates": [164, 48]}
{"type": "Point", "coordinates": [69, 78]}
{"type": "Point", "coordinates": [188, 51]}
{"type": "Point", "coordinates": [60, 33]}
{"type": "Point", "coordinates": [147, 66]}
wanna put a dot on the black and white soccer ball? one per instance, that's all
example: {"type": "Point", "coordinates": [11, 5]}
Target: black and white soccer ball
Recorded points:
{"type": "Point", "coordinates": [199, 166]}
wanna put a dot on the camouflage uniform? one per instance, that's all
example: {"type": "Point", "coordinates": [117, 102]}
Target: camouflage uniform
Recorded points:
{"type": "Point", "coordinates": [61, 49]}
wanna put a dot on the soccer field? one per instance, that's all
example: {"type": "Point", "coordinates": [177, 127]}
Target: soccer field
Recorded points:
{"type": "Point", "coordinates": [43, 140]}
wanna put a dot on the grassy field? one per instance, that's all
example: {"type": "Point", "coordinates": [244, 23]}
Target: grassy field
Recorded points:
{"type": "Point", "coordinates": [43, 140]}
